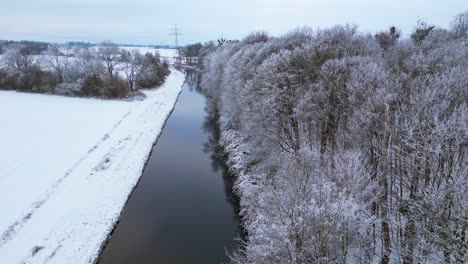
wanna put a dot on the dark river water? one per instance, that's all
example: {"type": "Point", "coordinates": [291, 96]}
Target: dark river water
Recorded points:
{"type": "Point", "coordinates": [183, 210]}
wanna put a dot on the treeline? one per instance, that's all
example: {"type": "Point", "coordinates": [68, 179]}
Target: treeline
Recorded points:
{"type": "Point", "coordinates": [35, 47]}
{"type": "Point", "coordinates": [104, 71]}
{"type": "Point", "coordinates": [348, 147]}
{"type": "Point", "coordinates": [193, 54]}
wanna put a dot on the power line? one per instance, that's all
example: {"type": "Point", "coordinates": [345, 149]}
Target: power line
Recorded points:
{"type": "Point", "coordinates": [176, 35]}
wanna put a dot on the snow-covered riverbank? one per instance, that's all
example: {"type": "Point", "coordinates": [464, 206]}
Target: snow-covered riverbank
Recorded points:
{"type": "Point", "coordinates": [67, 167]}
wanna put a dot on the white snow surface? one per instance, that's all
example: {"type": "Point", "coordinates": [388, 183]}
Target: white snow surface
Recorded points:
{"type": "Point", "coordinates": [67, 167]}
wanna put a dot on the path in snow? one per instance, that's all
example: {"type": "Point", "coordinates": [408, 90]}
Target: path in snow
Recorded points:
{"type": "Point", "coordinates": [67, 166]}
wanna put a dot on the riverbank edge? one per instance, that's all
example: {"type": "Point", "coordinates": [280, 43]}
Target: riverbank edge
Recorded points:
{"type": "Point", "coordinates": [105, 242]}
{"type": "Point", "coordinates": [237, 151]}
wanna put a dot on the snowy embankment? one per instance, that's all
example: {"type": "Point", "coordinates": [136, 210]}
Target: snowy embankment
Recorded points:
{"type": "Point", "coordinates": [67, 167]}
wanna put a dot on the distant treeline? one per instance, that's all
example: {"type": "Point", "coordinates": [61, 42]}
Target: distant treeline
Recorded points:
{"type": "Point", "coordinates": [78, 69]}
{"type": "Point", "coordinates": [193, 54]}
{"type": "Point", "coordinates": [38, 47]}
{"type": "Point", "coordinates": [348, 147]}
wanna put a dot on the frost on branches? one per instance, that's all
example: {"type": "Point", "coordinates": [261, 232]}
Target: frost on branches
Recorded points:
{"type": "Point", "coordinates": [348, 148]}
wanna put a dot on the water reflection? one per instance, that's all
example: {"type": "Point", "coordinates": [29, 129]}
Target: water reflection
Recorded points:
{"type": "Point", "coordinates": [212, 146]}
{"type": "Point", "coordinates": [183, 210]}
{"type": "Point", "coordinates": [219, 157]}
{"type": "Point", "coordinates": [192, 78]}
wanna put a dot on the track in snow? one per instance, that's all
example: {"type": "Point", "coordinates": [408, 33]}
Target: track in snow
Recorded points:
{"type": "Point", "coordinates": [67, 220]}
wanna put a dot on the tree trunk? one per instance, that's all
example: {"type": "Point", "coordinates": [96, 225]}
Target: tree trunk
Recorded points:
{"type": "Point", "coordinates": [384, 185]}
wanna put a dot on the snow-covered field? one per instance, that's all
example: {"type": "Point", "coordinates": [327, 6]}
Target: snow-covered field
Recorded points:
{"type": "Point", "coordinates": [67, 166]}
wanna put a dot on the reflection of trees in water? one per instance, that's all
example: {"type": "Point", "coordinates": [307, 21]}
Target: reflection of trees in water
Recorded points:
{"type": "Point", "coordinates": [216, 151]}
{"type": "Point", "coordinates": [219, 160]}
{"type": "Point", "coordinates": [192, 78]}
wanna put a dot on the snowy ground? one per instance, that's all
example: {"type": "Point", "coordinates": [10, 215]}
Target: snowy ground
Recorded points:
{"type": "Point", "coordinates": [67, 166]}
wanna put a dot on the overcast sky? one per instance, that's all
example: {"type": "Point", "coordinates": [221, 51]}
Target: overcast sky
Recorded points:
{"type": "Point", "coordinates": [150, 21]}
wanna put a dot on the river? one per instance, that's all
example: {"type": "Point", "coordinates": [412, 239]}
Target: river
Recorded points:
{"type": "Point", "coordinates": [183, 209]}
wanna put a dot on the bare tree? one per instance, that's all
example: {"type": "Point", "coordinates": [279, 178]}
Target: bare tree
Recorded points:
{"type": "Point", "coordinates": [2, 57]}
{"type": "Point", "coordinates": [59, 60]}
{"type": "Point", "coordinates": [130, 63]}
{"type": "Point", "coordinates": [87, 62]}
{"type": "Point", "coordinates": [19, 58]}
{"type": "Point", "coordinates": [109, 53]}
{"type": "Point", "coordinates": [460, 26]}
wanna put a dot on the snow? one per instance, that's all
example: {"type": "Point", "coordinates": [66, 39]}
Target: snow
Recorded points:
{"type": "Point", "coordinates": [67, 167]}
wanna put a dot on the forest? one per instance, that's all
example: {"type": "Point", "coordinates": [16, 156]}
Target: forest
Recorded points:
{"type": "Point", "coordinates": [347, 147]}
{"type": "Point", "coordinates": [78, 69]}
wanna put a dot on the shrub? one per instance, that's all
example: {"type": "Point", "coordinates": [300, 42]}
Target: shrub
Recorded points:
{"type": "Point", "coordinates": [92, 86]}
{"type": "Point", "coordinates": [36, 80]}
{"type": "Point", "coordinates": [117, 88]}
{"type": "Point", "coordinates": [68, 88]}
{"type": "Point", "coordinates": [3, 80]}
{"type": "Point", "coordinates": [163, 71]}
{"type": "Point", "coordinates": [153, 72]}
{"type": "Point", "coordinates": [48, 82]}
{"type": "Point", "coordinates": [148, 77]}
{"type": "Point", "coordinates": [11, 81]}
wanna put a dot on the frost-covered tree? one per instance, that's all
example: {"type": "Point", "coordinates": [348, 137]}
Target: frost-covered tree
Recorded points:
{"type": "Point", "coordinates": [388, 39]}
{"type": "Point", "coordinates": [459, 26]}
{"type": "Point", "coordinates": [421, 31]}
{"type": "Point", "coordinates": [130, 64]}
{"type": "Point", "coordinates": [108, 52]}
{"type": "Point", "coordinates": [79, 69]}
{"type": "Point", "coordinates": [152, 72]}
{"type": "Point", "coordinates": [2, 57]}
{"type": "Point", "coordinates": [190, 53]}
{"type": "Point", "coordinates": [348, 148]}
{"type": "Point", "coordinates": [87, 62]}
{"type": "Point", "coordinates": [58, 58]}
{"type": "Point", "coordinates": [19, 58]}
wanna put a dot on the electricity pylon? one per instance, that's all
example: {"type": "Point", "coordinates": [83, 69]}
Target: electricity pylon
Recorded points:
{"type": "Point", "coordinates": [176, 35]}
